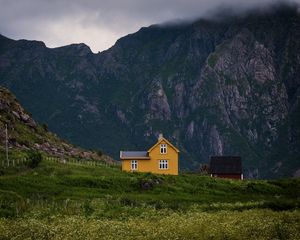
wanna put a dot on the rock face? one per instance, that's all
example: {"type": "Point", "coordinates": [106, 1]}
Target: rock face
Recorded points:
{"type": "Point", "coordinates": [212, 87]}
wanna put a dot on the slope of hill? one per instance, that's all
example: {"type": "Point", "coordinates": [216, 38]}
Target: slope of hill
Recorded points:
{"type": "Point", "coordinates": [71, 201]}
{"type": "Point", "coordinates": [212, 87]}
{"type": "Point", "coordinates": [25, 134]}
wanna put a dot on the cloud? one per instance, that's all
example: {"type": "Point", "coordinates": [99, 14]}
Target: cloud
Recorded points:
{"type": "Point", "coordinates": [99, 23]}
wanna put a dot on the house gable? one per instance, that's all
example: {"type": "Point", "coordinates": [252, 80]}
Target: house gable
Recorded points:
{"type": "Point", "coordinates": [162, 141]}
{"type": "Point", "coordinates": [171, 156]}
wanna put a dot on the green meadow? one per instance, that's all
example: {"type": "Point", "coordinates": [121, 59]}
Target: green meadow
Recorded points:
{"type": "Point", "coordinates": [79, 201]}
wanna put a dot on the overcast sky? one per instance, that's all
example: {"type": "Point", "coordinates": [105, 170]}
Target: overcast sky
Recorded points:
{"type": "Point", "coordinates": [99, 23]}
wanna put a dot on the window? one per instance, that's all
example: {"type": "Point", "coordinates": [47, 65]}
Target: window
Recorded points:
{"type": "Point", "coordinates": [134, 164]}
{"type": "Point", "coordinates": [163, 164]}
{"type": "Point", "coordinates": [163, 148]}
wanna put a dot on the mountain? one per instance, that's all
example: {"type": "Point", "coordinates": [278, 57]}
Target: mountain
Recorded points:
{"type": "Point", "coordinates": [228, 85]}
{"type": "Point", "coordinates": [25, 134]}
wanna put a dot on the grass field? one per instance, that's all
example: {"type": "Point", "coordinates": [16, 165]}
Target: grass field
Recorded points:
{"type": "Point", "coordinates": [69, 201]}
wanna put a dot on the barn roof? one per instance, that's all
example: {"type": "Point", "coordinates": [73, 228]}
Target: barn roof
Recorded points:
{"type": "Point", "coordinates": [134, 154]}
{"type": "Point", "coordinates": [225, 165]}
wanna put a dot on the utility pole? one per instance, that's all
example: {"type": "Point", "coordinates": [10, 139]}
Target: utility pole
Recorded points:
{"type": "Point", "coordinates": [6, 144]}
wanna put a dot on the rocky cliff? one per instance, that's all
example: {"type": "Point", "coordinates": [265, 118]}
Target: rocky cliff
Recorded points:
{"type": "Point", "coordinates": [226, 86]}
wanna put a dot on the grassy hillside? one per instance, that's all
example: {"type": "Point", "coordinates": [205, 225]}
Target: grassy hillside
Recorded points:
{"type": "Point", "coordinates": [24, 134]}
{"type": "Point", "coordinates": [53, 181]}
{"type": "Point", "coordinates": [72, 201]}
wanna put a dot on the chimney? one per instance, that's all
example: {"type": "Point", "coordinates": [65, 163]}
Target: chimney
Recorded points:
{"type": "Point", "coordinates": [160, 136]}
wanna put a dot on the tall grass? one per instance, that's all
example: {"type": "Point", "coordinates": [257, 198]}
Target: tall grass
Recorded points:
{"type": "Point", "coordinates": [82, 201]}
{"type": "Point", "coordinates": [250, 224]}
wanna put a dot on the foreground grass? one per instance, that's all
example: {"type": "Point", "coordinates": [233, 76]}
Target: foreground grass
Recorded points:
{"type": "Point", "coordinates": [249, 224]}
{"type": "Point", "coordinates": [82, 189]}
{"type": "Point", "coordinates": [69, 201]}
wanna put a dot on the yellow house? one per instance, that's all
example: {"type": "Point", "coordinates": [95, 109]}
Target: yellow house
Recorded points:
{"type": "Point", "coordinates": [161, 158]}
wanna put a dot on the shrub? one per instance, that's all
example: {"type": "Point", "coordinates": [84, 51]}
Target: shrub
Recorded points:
{"type": "Point", "coordinates": [204, 169]}
{"type": "Point", "coordinates": [87, 208]}
{"type": "Point", "coordinates": [34, 159]}
{"type": "Point", "coordinates": [148, 181]}
{"type": "Point", "coordinates": [45, 127]}
{"type": "Point", "coordinates": [99, 153]}
{"type": "Point", "coordinates": [125, 201]}
{"type": "Point", "coordinates": [11, 204]}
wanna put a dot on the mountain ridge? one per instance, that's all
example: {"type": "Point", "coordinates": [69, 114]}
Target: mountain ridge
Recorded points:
{"type": "Point", "coordinates": [228, 87]}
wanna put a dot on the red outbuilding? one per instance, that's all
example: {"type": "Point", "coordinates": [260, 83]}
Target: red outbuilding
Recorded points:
{"type": "Point", "coordinates": [226, 167]}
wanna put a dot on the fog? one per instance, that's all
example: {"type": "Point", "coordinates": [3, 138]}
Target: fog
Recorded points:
{"type": "Point", "coordinates": [100, 23]}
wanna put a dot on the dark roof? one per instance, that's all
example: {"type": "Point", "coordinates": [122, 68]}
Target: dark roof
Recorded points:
{"type": "Point", "coordinates": [225, 165]}
{"type": "Point", "coordinates": [134, 154]}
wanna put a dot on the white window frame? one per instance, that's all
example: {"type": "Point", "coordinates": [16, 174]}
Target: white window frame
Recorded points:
{"type": "Point", "coordinates": [163, 164]}
{"type": "Point", "coordinates": [163, 148]}
{"type": "Point", "coordinates": [134, 165]}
